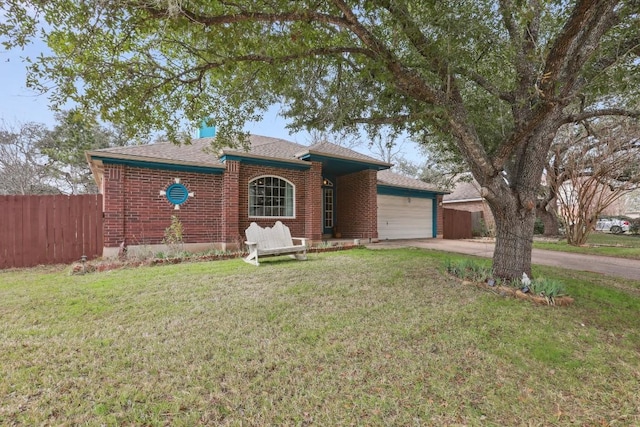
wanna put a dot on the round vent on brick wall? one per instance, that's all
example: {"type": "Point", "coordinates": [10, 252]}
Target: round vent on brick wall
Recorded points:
{"type": "Point", "coordinates": [177, 194]}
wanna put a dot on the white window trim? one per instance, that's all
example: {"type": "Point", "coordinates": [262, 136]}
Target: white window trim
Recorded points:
{"type": "Point", "coordinates": [293, 186]}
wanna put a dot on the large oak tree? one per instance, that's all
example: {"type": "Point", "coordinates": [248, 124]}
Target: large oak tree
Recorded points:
{"type": "Point", "coordinates": [495, 78]}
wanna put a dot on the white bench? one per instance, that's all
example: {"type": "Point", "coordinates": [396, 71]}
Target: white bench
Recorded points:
{"type": "Point", "coordinates": [274, 240]}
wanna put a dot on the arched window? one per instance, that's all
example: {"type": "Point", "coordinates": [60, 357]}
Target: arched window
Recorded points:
{"type": "Point", "coordinates": [271, 196]}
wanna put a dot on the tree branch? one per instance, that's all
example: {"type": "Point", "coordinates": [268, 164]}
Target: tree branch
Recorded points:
{"type": "Point", "coordinates": [417, 39]}
{"type": "Point", "coordinates": [484, 83]}
{"type": "Point", "coordinates": [574, 45]}
{"type": "Point", "coordinates": [407, 81]}
{"type": "Point", "coordinates": [584, 115]}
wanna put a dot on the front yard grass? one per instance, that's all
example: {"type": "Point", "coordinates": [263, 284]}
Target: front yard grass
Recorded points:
{"type": "Point", "coordinates": [607, 244]}
{"type": "Point", "coordinates": [358, 337]}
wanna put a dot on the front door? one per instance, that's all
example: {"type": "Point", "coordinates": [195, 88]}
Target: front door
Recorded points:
{"type": "Point", "coordinates": [328, 205]}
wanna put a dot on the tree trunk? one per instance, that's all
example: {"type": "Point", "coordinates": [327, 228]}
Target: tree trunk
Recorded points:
{"type": "Point", "coordinates": [577, 234]}
{"type": "Point", "coordinates": [550, 219]}
{"type": "Point", "coordinates": [514, 241]}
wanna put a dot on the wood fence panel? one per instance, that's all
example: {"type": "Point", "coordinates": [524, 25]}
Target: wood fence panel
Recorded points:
{"type": "Point", "coordinates": [49, 229]}
{"type": "Point", "coordinates": [18, 253]}
{"type": "Point", "coordinates": [6, 256]}
{"type": "Point", "coordinates": [457, 224]}
{"type": "Point", "coordinates": [26, 228]}
{"type": "Point", "coordinates": [74, 229]}
{"type": "Point", "coordinates": [43, 216]}
{"type": "Point", "coordinates": [32, 218]}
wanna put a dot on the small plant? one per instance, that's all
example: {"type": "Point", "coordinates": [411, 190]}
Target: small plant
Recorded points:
{"type": "Point", "coordinates": [173, 235]}
{"type": "Point", "coordinates": [324, 245]}
{"type": "Point", "coordinates": [549, 288]}
{"type": "Point", "coordinates": [467, 269]}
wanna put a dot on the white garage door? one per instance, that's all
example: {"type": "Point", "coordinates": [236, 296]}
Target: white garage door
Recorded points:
{"type": "Point", "coordinates": [404, 217]}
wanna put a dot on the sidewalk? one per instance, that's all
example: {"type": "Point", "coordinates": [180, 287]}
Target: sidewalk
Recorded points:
{"type": "Point", "coordinates": [619, 267]}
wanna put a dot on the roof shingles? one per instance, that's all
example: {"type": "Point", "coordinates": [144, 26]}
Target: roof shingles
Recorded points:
{"type": "Point", "coordinates": [199, 152]}
{"type": "Point", "coordinates": [386, 177]}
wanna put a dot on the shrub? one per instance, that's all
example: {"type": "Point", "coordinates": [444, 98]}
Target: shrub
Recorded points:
{"type": "Point", "coordinates": [538, 227]}
{"type": "Point", "coordinates": [174, 234]}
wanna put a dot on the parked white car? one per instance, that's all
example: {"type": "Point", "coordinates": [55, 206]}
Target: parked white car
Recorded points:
{"type": "Point", "coordinates": [614, 225]}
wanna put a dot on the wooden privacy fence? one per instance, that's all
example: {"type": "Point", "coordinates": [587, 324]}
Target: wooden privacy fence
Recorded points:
{"type": "Point", "coordinates": [457, 224]}
{"type": "Point", "coordinates": [56, 229]}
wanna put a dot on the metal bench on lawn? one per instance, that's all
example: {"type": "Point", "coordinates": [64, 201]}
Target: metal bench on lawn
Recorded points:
{"type": "Point", "coordinates": [274, 240]}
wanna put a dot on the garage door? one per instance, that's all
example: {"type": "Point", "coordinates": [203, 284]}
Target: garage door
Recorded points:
{"type": "Point", "coordinates": [404, 217]}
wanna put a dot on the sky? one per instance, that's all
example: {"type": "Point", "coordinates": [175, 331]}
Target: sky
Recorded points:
{"type": "Point", "coordinates": [18, 104]}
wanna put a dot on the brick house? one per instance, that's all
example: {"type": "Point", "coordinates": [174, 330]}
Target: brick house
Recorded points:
{"type": "Point", "coordinates": [319, 191]}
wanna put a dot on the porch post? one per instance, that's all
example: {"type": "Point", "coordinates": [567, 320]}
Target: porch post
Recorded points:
{"type": "Point", "coordinates": [230, 204]}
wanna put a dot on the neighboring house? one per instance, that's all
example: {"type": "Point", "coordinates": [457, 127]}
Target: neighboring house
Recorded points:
{"type": "Point", "coordinates": [466, 197]}
{"type": "Point", "coordinates": [319, 191]}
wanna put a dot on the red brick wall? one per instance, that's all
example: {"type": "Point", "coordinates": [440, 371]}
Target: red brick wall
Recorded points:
{"type": "Point", "coordinates": [314, 203]}
{"type": "Point", "coordinates": [231, 232]}
{"type": "Point", "coordinates": [113, 185]}
{"type": "Point", "coordinates": [306, 203]}
{"type": "Point", "coordinates": [357, 206]}
{"type": "Point", "coordinates": [136, 213]}
{"type": "Point", "coordinates": [440, 216]}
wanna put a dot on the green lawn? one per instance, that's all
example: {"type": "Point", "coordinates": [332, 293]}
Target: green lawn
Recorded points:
{"type": "Point", "coordinates": [617, 245]}
{"type": "Point", "coordinates": [358, 337]}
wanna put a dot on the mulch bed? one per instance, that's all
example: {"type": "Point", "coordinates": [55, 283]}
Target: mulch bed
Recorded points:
{"type": "Point", "coordinates": [100, 265]}
{"type": "Point", "coordinates": [509, 291]}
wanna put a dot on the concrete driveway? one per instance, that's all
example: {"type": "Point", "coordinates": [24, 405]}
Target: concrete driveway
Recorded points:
{"type": "Point", "coordinates": [620, 267]}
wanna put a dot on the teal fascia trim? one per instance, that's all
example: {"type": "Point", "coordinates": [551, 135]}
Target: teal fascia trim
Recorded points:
{"type": "Point", "coordinates": [434, 217]}
{"type": "Point", "coordinates": [161, 166]}
{"type": "Point", "coordinates": [265, 162]}
{"type": "Point", "coordinates": [388, 190]}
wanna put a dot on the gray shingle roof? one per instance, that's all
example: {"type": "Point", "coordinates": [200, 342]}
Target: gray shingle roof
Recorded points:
{"type": "Point", "coordinates": [334, 150]}
{"type": "Point", "coordinates": [386, 177]}
{"type": "Point", "coordinates": [464, 191]}
{"type": "Point", "coordinates": [165, 151]}
{"type": "Point", "coordinates": [260, 146]}
{"type": "Point", "coordinates": [199, 152]}
{"type": "Point", "coordinates": [265, 146]}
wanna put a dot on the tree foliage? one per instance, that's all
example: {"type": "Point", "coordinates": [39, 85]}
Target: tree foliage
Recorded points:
{"type": "Point", "coordinates": [38, 160]}
{"type": "Point", "coordinates": [440, 168]}
{"type": "Point", "coordinates": [23, 169]}
{"type": "Point", "coordinates": [65, 146]}
{"type": "Point", "coordinates": [496, 78]}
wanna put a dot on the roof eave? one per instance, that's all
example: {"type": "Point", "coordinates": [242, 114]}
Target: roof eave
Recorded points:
{"type": "Point", "coordinates": [243, 154]}
{"type": "Point", "coordinates": [399, 186]}
{"type": "Point", "coordinates": [308, 154]}
{"type": "Point", "coordinates": [91, 155]}
{"type": "Point", "coordinates": [477, 199]}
